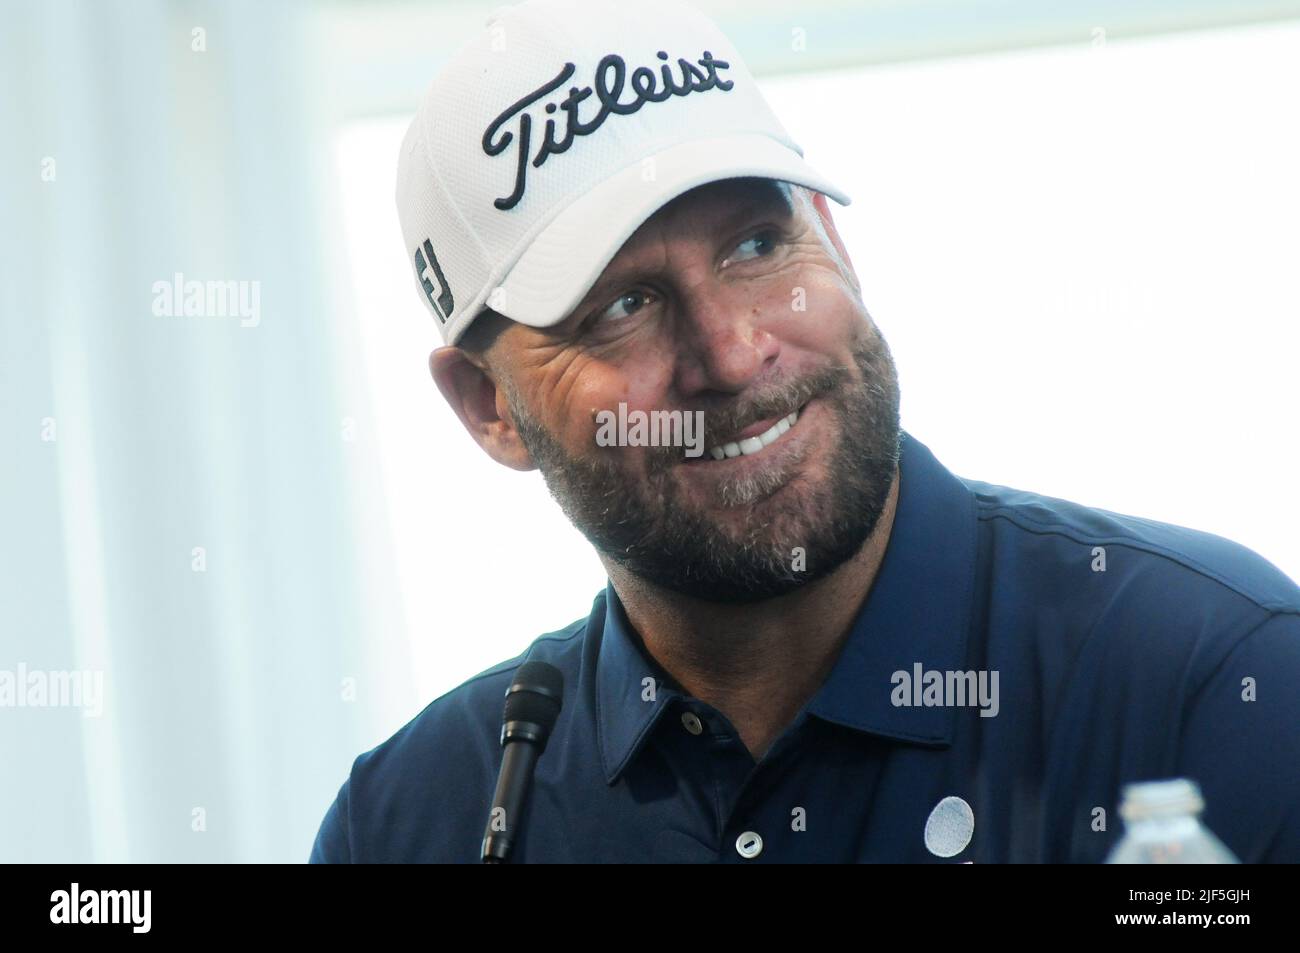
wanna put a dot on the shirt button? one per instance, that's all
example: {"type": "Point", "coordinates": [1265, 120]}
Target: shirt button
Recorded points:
{"type": "Point", "coordinates": [692, 722]}
{"type": "Point", "coordinates": [749, 845]}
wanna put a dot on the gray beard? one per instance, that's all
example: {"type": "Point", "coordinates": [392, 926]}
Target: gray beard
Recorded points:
{"type": "Point", "coordinates": [643, 525]}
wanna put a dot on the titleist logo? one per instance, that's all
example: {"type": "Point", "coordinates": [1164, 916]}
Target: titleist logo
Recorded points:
{"type": "Point", "coordinates": [611, 72]}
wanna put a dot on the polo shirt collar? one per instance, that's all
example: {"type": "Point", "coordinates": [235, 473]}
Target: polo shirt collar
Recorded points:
{"type": "Point", "coordinates": [917, 612]}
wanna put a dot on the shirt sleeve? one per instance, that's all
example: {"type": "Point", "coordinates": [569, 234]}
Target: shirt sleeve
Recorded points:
{"type": "Point", "coordinates": [1241, 743]}
{"type": "Point", "coordinates": [331, 845]}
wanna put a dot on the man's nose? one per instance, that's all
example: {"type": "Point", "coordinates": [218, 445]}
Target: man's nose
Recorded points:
{"type": "Point", "coordinates": [723, 343]}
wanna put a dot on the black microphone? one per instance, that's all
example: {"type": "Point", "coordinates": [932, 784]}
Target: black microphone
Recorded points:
{"type": "Point", "coordinates": [532, 705]}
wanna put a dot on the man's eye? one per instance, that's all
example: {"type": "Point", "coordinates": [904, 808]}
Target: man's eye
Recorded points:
{"type": "Point", "coordinates": [625, 305]}
{"type": "Point", "coordinates": [756, 246]}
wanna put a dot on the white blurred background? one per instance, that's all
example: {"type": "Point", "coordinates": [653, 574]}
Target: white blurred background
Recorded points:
{"type": "Point", "coordinates": [1076, 227]}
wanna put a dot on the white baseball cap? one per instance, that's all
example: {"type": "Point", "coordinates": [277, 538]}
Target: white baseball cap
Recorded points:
{"type": "Point", "coordinates": [546, 141]}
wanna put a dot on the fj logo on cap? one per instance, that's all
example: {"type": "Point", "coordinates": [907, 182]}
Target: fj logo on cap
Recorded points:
{"type": "Point", "coordinates": [443, 302]}
{"type": "Point", "coordinates": [645, 85]}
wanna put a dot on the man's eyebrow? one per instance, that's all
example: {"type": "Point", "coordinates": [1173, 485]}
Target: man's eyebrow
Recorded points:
{"type": "Point", "coordinates": [757, 202]}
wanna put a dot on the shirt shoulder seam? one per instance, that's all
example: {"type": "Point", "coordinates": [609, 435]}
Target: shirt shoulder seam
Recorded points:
{"type": "Point", "coordinates": [1031, 525]}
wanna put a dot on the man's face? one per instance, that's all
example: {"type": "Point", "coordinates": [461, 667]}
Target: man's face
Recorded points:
{"type": "Point", "coordinates": [731, 300]}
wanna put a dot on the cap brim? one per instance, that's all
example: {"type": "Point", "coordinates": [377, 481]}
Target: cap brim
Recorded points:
{"type": "Point", "coordinates": [566, 258]}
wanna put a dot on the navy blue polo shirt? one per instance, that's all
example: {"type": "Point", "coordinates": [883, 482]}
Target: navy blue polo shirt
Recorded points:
{"type": "Point", "coordinates": [1018, 659]}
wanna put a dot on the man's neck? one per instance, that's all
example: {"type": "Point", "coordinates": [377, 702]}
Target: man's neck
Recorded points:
{"type": "Point", "coordinates": [758, 664]}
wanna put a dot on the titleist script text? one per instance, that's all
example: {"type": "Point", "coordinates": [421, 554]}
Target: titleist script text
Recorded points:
{"type": "Point", "coordinates": [611, 72]}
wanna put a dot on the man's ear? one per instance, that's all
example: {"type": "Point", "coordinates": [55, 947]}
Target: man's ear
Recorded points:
{"type": "Point", "coordinates": [480, 403]}
{"type": "Point", "coordinates": [824, 210]}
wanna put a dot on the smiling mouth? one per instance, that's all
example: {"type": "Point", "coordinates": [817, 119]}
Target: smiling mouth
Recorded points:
{"type": "Point", "coordinates": [756, 443]}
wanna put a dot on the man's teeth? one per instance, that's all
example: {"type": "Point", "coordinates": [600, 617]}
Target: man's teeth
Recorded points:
{"type": "Point", "coordinates": [754, 444]}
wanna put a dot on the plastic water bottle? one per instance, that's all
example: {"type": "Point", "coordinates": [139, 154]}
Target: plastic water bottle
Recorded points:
{"type": "Point", "coordinates": [1162, 826]}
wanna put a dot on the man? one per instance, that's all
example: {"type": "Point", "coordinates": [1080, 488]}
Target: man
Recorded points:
{"type": "Point", "coordinates": [816, 643]}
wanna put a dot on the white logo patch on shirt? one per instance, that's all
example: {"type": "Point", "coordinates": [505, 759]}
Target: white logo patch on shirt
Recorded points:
{"type": "Point", "coordinates": [949, 828]}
